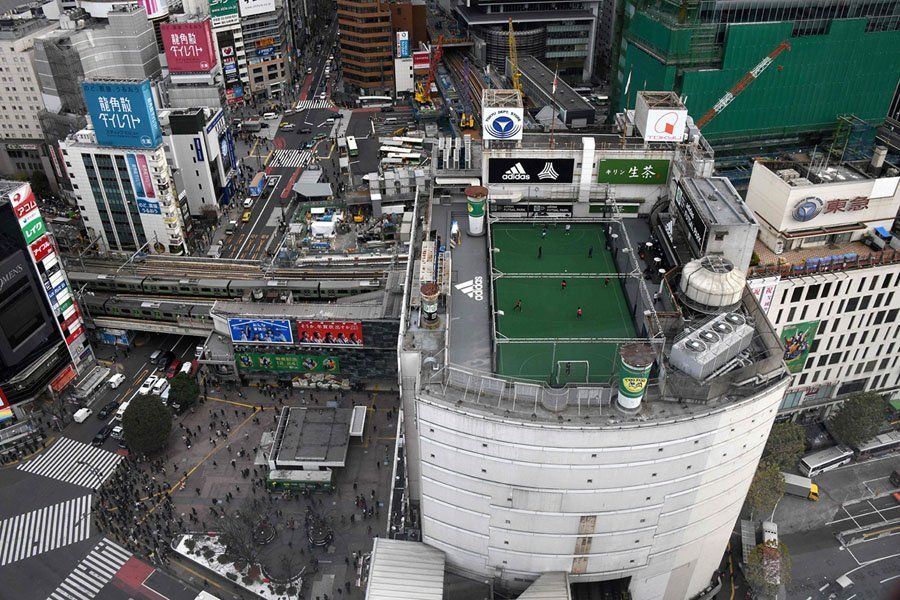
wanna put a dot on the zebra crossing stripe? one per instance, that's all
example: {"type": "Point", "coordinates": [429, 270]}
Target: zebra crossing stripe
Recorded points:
{"type": "Point", "coordinates": [93, 572]}
{"type": "Point", "coordinates": [291, 158]}
{"type": "Point", "coordinates": [309, 104]}
{"type": "Point", "coordinates": [74, 462]}
{"type": "Point", "coordinates": [45, 529]}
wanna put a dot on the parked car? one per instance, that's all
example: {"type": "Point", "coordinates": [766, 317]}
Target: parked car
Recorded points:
{"type": "Point", "coordinates": [116, 433]}
{"type": "Point", "coordinates": [248, 202]}
{"type": "Point", "coordinates": [154, 358]}
{"type": "Point", "coordinates": [160, 386]}
{"type": "Point", "coordinates": [108, 409]}
{"type": "Point", "coordinates": [186, 367]}
{"type": "Point", "coordinates": [82, 414]}
{"type": "Point", "coordinates": [173, 369]}
{"type": "Point", "coordinates": [116, 380]}
{"type": "Point", "coordinates": [102, 435]}
{"type": "Point", "coordinates": [306, 130]}
{"type": "Point", "coordinates": [287, 126]}
{"type": "Point", "coordinates": [269, 115]}
{"type": "Point", "coordinates": [147, 386]}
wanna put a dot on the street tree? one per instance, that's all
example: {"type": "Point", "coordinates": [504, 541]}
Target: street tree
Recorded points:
{"type": "Point", "coordinates": [786, 444]}
{"type": "Point", "coordinates": [766, 490]}
{"type": "Point", "coordinates": [768, 567]}
{"type": "Point", "coordinates": [146, 424]}
{"type": "Point", "coordinates": [858, 419]}
{"type": "Point", "coordinates": [183, 391]}
{"type": "Point", "coordinates": [240, 530]}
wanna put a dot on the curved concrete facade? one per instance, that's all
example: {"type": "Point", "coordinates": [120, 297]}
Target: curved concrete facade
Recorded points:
{"type": "Point", "coordinates": [508, 499]}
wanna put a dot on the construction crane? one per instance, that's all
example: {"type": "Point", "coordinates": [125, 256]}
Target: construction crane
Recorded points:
{"type": "Point", "coordinates": [751, 76]}
{"type": "Point", "coordinates": [514, 59]}
{"type": "Point", "coordinates": [423, 93]}
{"type": "Point", "coordinates": [467, 120]}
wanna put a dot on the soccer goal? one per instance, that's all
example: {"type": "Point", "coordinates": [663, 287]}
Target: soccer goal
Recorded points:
{"type": "Point", "coordinates": [571, 371]}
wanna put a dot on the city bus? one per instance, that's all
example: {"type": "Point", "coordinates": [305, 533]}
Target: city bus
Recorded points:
{"type": "Point", "coordinates": [825, 460]}
{"type": "Point", "coordinates": [375, 101]}
{"type": "Point", "coordinates": [879, 445]}
{"type": "Point", "coordinates": [409, 140]}
{"type": "Point", "coordinates": [395, 150]}
{"type": "Point", "coordinates": [352, 148]}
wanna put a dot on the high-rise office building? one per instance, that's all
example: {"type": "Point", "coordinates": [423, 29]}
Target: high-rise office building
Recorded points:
{"type": "Point", "coordinates": [843, 59]}
{"type": "Point", "coordinates": [367, 46]}
{"type": "Point", "coordinates": [22, 147]}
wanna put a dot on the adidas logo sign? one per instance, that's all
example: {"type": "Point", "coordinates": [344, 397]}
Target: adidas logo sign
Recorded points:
{"type": "Point", "coordinates": [548, 172]}
{"type": "Point", "coordinates": [473, 288]}
{"type": "Point", "coordinates": [516, 173]}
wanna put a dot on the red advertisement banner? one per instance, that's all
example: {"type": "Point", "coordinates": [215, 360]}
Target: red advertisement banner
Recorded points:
{"type": "Point", "coordinates": [189, 46]}
{"type": "Point", "coordinates": [74, 335]}
{"type": "Point", "coordinates": [145, 175]}
{"type": "Point", "coordinates": [63, 379]}
{"type": "Point", "coordinates": [329, 333]}
{"type": "Point", "coordinates": [22, 195]}
{"type": "Point", "coordinates": [26, 207]}
{"type": "Point", "coordinates": [41, 248]}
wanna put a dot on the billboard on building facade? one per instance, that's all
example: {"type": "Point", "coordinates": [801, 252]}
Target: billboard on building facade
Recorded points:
{"type": "Point", "coordinates": [764, 289]}
{"type": "Point", "coordinates": [329, 333]}
{"type": "Point", "coordinates": [402, 44]}
{"type": "Point", "coordinates": [256, 7]}
{"type": "Point", "coordinates": [189, 46]}
{"type": "Point", "coordinates": [294, 363]}
{"type": "Point", "coordinates": [531, 170]}
{"type": "Point", "coordinates": [123, 114]}
{"type": "Point", "coordinates": [502, 123]}
{"type": "Point", "coordinates": [223, 12]}
{"type": "Point", "coordinates": [693, 222]}
{"type": "Point", "coordinates": [261, 331]}
{"type": "Point", "coordinates": [635, 171]}
{"type": "Point", "coordinates": [154, 8]}
{"type": "Point", "coordinates": [421, 59]}
{"type": "Point", "coordinates": [798, 340]}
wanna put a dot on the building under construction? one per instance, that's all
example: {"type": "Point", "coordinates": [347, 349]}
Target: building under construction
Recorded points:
{"type": "Point", "coordinates": [843, 59]}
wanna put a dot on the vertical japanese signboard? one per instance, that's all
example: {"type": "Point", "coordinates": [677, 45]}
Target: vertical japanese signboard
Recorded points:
{"type": "Point", "coordinates": [189, 46]}
{"type": "Point", "coordinates": [47, 265]}
{"type": "Point", "coordinates": [123, 114]}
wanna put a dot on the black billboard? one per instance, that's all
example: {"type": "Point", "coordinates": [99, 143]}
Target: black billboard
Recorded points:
{"type": "Point", "coordinates": [693, 222]}
{"type": "Point", "coordinates": [530, 170]}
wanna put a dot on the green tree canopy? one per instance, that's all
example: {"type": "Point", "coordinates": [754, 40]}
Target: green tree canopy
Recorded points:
{"type": "Point", "coordinates": [785, 445]}
{"type": "Point", "coordinates": [768, 567]}
{"type": "Point", "coordinates": [184, 391]}
{"type": "Point", "coordinates": [146, 424]}
{"type": "Point", "coordinates": [858, 419]}
{"type": "Point", "coordinates": [766, 490]}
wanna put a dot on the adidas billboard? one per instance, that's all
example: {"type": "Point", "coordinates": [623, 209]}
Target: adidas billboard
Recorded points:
{"type": "Point", "coordinates": [530, 170]}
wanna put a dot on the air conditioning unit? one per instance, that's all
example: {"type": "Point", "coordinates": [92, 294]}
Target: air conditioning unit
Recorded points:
{"type": "Point", "coordinates": [705, 350]}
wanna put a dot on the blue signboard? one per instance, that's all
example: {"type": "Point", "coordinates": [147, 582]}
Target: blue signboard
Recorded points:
{"type": "Point", "coordinates": [123, 114]}
{"type": "Point", "coordinates": [135, 175]}
{"type": "Point", "coordinates": [269, 51]}
{"type": "Point", "coordinates": [59, 289]}
{"type": "Point", "coordinates": [148, 207]}
{"type": "Point", "coordinates": [404, 48]}
{"type": "Point", "coordinates": [198, 149]}
{"type": "Point", "coordinates": [261, 331]}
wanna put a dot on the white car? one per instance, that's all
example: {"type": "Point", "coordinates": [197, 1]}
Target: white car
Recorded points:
{"type": "Point", "coordinates": [248, 202]}
{"type": "Point", "coordinates": [160, 386]}
{"type": "Point", "coordinates": [116, 380]}
{"type": "Point", "coordinates": [148, 385]}
{"type": "Point", "coordinates": [82, 414]}
{"type": "Point", "coordinates": [322, 96]}
{"type": "Point", "coordinates": [269, 115]}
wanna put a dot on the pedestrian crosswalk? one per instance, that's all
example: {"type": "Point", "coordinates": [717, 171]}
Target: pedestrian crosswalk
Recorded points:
{"type": "Point", "coordinates": [307, 104]}
{"type": "Point", "coordinates": [45, 529]}
{"type": "Point", "coordinates": [93, 573]}
{"type": "Point", "coordinates": [291, 158]}
{"type": "Point", "coordinates": [74, 462]}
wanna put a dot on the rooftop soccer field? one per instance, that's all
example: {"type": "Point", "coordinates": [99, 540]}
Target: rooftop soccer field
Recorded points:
{"type": "Point", "coordinates": [529, 267]}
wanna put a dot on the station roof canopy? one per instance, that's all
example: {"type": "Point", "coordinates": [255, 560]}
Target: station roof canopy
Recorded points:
{"type": "Point", "coordinates": [404, 570]}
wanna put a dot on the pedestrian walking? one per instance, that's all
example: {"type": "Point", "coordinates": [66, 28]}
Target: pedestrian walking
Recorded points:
{"type": "Point", "coordinates": [578, 313]}
{"type": "Point", "coordinates": [518, 305]}
{"type": "Point", "coordinates": [563, 285]}
{"type": "Point", "coordinates": [605, 281]}
{"type": "Point", "coordinates": [540, 251]}
{"type": "Point", "coordinates": [544, 232]}
{"type": "Point", "coordinates": [568, 228]}
{"type": "Point", "coordinates": [591, 252]}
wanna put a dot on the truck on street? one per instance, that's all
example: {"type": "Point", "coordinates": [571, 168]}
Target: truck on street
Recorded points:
{"type": "Point", "coordinates": [258, 184]}
{"type": "Point", "coordinates": [800, 486]}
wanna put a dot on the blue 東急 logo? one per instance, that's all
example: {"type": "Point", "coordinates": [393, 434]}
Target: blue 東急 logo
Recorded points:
{"type": "Point", "coordinates": [504, 126]}
{"type": "Point", "coordinates": [808, 209]}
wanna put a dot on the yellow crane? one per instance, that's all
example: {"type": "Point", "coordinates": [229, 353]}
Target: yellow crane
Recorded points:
{"type": "Point", "coordinates": [514, 59]}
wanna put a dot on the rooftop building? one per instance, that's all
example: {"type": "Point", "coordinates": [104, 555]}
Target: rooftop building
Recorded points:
{"type": "Point", "coordinates": [579, 413]}
{"type": "Point", "coordinates": [538, 83]}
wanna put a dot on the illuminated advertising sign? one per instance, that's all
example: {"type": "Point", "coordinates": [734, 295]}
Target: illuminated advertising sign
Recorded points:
{"type": "Point", "coordinates": [123, 114]}
{"type": "Point", "coordinates": [256, 7]}
{"type": "Point", "coordinates": [223, 12]}
{"type": "Point", "coordinates": [41, 249]}
{"type": "Point", "coordinates": [403, 44]}
{"type": "Point", "coordinates": [154, 8]}
{"type": "Point", "coordinates": [797, 340]}
{"type": "Point", "coordinates": [148, 207]}
{"type": "Point", "coordinates": [634, 171]}
{"type": "Point", "coordinates": [189, 46]}
{"type": "Point", "coordinates": [421, 60]}
{"type": "Point", "coordinates": [261, 331]}
{"type": "Point", "coordinates": [530, 170]}
{"type": "Point", "coordinates": [329, 333]}
{"type": "Point", "coordinates": [63, 379]}
{"type": "Point", "coordinates": [5, 410]}
{"type": "Point", "coordinates": [295, 363]}
{"type": "Point", "coordinates": [502, 123]}
{"type": "Point", "coordinates": [235, 93]}
{"type": "Point", "coordinates": [34, 230]}
{"type": "Point", "coordinates": [144, 170]}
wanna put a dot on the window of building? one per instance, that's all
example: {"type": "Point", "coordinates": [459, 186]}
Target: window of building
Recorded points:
{"type": "Point", "coordinates": [852, 303]}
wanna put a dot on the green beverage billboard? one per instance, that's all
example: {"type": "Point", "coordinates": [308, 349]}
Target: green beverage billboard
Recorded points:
{"type": "Point", "coordinates": [293, 363]}
{"type": "Point", "coordinates": [634, 171]}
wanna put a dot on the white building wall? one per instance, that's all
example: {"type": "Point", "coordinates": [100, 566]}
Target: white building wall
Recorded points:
{"type": "Point", "coordinates": [509, 500]}
{"type": "Point", "coordinates": [857, 343]}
